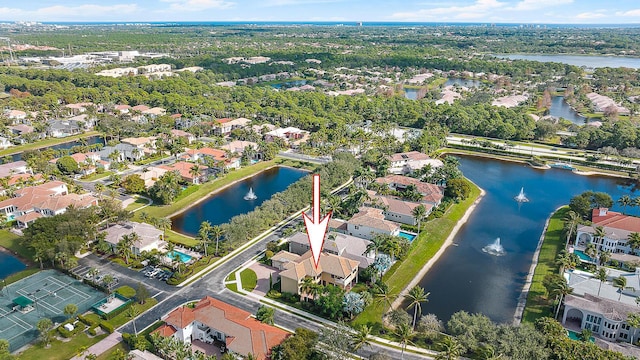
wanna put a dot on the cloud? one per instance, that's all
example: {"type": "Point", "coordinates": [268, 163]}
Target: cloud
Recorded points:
{"type": "Point", "coordinates": [61, 12]}
{"type": "Point", "coordinates": [197, 5]}
{"type": "Point", "coordinates": [591, 15]}
{"type": "Point", "coordinates": [630, 13]}
{"type": "Point", "coordinates": [538, 4]}
{"type": "Point", "coordinates": [476, 10]}
{"type": "Point", "coordinates": [270, 3]}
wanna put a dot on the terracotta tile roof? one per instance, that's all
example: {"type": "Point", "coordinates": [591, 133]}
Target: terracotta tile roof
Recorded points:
{"type": "Point", "coordinates": [56, 203]}
{"type": "Point", "coordinates": [183, 167]}
{"type": "Point", "coordinates": [328, 263]}
{"type": "Point", "coordinates": [396, 205]}
{"type": "Point", "coordinates": [29, 217]}
{"type": "Point", "coordinates": [14, 179]}
{"type": "Point", "coordinates": [223, 120]}
{"type": "Point", "coordinates": [244, 334]}
{"type": "Point", "coordinates": [165, 330]}
{"type": "Point", "coordinates": [615, 220]}
{"type": "Point", "coordinates": [432, 193]}
{"type": "Point", "coordinates": [140, 108]}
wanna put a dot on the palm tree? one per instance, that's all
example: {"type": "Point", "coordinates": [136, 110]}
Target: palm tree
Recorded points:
{"type": "Point", "coordinates": [361, 337]}
{"type": "Point", "coordinates": [132, 314]}
{"type": "Point", "coordinates": [164, 224]}
{"type": "Point", "coordinates": [99, 189]}
{"type": "Point", "coordinates": [310, 288]}
{"type": "Point", "coordinates": [559, 290]}
{"type": "Point", "coordinates": [204, 233]}
{"type": "Point", "coordinates": [566, 260]}
{"type": "Point", "coordinates": [451, 349]}
{"type": "Point", "coordinates": [195, 172]}
{"type": "Point", "coordinates": [571, 222]}
{"type": "Point", "coordinates": [621, 283]}
{"type": "Point", "coordinates": [600, 234]}
{"type": "Point", "coordinates": [604, 256]}
{"type": "Point", "coordinates": [633, 320]}
{"type": "Point", "coordinates": [634, 241]}
{"type": "Point", "coordinates": [381, 293]}
{"type": "Point", "coordinates": [419, 212]}
{"type": "Point", "coordinates": [375, 245]}
{"type": "Point", "coordinates": [624, 201]}
{"type": "Point", "coordinates": [591, 250]}
{"type": "Point", "coordinates": [108, 280]}
{"type": "Point", "coordinates": [404, 333]}
{"type": "Point", "coordinates": [124, 247]}
{"type": "Point", "coordinates": [216, 231]}
{"type": "Point", "coordinates": [602, 276]}
{"type": "Point", "coordinates": [416, 297]}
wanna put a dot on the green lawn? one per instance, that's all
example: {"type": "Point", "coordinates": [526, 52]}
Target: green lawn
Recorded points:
{"type": "Point", "coordinates": [249, 279]}
{"type": "Point", "coordinates": [45, 143]}
{"type": "Point", "coordinates": [140, 202]}
{"type": "Point", "coordinates": [110, 354]}
{"type": "Point", "coordinates": [20, 275]}
{"type": "Point", "coordinates": [177, 238]}
{"type": "Point", "coordinates": [123, 317]}
{"type": "Point", "coordinates": [433, 235]}
{"type": "Point", "coordinates": [14, 243]}
{"type": "Point", "coordinates": [60, 350]}
{"type": "Point", "coordinates": [537, 305]}
{"type": "Point", "coordinates": [96, 176]}
{"type": "Point", "coordinates": [233, 287]}
{"type": "Point", "coordinates": [157, 211]}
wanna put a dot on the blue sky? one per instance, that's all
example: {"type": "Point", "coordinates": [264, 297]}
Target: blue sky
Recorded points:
{"type": "Point", "coordinates": [490, 11]}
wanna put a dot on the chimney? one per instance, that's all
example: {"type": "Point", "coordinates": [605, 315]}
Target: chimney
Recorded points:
{"type": "Point", "coordinates": [603, 211]}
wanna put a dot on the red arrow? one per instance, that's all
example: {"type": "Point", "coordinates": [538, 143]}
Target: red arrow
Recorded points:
{"type": "Point", "coordinates": [316, 229]}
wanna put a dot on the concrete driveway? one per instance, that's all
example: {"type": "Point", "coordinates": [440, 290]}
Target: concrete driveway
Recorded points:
{"type": "Point", "coordinates": [263, 272]}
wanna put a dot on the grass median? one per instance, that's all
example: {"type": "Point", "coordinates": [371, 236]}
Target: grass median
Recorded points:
{"type": "Point", "coordinates": [537, 305]}
{"type": "Point", "coordinates": [433, 235]}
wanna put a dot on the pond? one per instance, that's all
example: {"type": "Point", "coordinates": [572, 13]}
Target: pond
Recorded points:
{"type": "Point", "coordinates": [289, 84]}
{"type": "Point", "coordinates": [220, 207]}
{"type": "Point", "coordinates": [561, 109]}
{"type": "Point", "coordinates": [579, 60]}
{"type": "Point", "coordinates": [411, 93]}
{"type": "Point", "coordinates": [68, 145]}
{"type": "Point", "coordinates": [468, 83]}
{"type": "Point", "coordinates": [466, 277]}
{"type": "Point", "coordinates": [9, 264]}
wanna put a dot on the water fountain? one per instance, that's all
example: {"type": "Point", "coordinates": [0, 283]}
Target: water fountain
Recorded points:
{"type": "Point", "coordinates": [250, 195]}
{"type": "Point", "coordinates": [521, 197]}
{"type": "Point", "coordinates": [494, 248]}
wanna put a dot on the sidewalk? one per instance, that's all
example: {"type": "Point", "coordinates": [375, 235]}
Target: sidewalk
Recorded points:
{"type": "Point", "coordinates": [102, 346]}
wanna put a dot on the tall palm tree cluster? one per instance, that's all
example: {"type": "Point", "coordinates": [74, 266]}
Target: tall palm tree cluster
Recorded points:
{"type": "Point", "coordinates": [174, 349]}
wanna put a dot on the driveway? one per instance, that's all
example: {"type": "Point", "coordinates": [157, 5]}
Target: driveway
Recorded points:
{"type": "Point", "coordinates": [263, 272]}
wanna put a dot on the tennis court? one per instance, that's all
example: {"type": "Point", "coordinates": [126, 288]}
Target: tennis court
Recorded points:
{"type": "Point", "coordinates": [42, 295]}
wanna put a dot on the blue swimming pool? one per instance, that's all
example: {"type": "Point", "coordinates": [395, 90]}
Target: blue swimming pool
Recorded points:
{"type": "Point", "coordinates": [576, 336]}
{"type": "Point", "coordinates": [583, 256]}
{"type": "Point", "coordinates": [407, 235]}
{"type": "Point", "coordinates": [180, 256]}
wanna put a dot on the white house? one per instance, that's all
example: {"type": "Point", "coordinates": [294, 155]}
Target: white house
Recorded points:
{"type": "Point", "coordinates": [149, 238]}
{"type": "Point", "coordinates": [395, 209]}
{"type": "Point", "coordinates": [408, 162]}
{"type": "Point", "coordinates": [617, 228]}
{"type": "Point", "coordinates": [339, 244]}
{"type": "Point", "coordinates": [370, 221]}
{"type": "Point", "coordinates": [605, 318]}
{"type": "Point", "coordinates": [5, 143]}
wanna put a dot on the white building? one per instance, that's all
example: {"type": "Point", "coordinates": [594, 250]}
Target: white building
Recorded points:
{"type": "Point", "coordinates": [370, 221]}
{"type": "Point", "coordinates": [149, 238]}
{"type": "Point", "coordinates": [617, 228]}
{"type": "Point", "coordinates": [408, 162]}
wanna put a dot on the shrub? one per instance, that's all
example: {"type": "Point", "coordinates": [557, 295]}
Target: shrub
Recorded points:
{"type": "Point", "coordinates": [106, 326]}
{"type": "Point", "coordinates": [126, 291]}
{"type": "Point", "coordinates": [274, 294]}
{"type": "Point", "coordinates": [87, 320]}
{"type": "Point", "coordinates": [268, 254]}
{"type": "Point", "coordinates": [92, 331]}
{"type": "Point", "coordinates": [78, 327]}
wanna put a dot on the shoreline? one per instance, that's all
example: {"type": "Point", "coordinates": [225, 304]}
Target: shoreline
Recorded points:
{"type": "Point", "coordinates": [445, 245]}
{"type": "Point", "coordinates": [28, 263]}
{"type": "Point", "coordinates": [521, 161]}
{"type": "Point", "coordinates": [203, 198]}
{"type": "Point", "coordinates": [524, 294]}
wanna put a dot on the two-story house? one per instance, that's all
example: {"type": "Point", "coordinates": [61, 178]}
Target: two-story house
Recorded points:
{"type": "Point", "coordinates": [212, 321]}
{"type": "Point", "coordinates": [617, 229]}
{"type": "Point", "coordinates": [395, 209]}
{"type": "Point", "coordinates": [339, 244]}
{"type": "Point", "coordinates": [431, 193]}
{"type": "Point", "coordinates": [149, 238]}
{"type": "Point", "coordinates": [368, 222]}
{"type": "Point", "coordinates": [408, 162]}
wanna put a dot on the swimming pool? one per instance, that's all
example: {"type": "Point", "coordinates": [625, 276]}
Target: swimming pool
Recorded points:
{"type": "Point", "coordinates": [576, 336]}
{"type": "Point", "coordinates": [583, 256]}
{"type": "Point", "coordinates": [407, 235]}
{"type": "Point", "coordinates": [180, 256]}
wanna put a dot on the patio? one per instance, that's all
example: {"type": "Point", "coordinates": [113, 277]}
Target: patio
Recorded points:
{"type": "Point", "coordinates": [208, 349]}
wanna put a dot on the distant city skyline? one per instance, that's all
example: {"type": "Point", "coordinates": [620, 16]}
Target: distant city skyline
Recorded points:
{"type": "Point", "coordinates": [483, 11]}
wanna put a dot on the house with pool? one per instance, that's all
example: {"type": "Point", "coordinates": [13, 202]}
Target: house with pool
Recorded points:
{"type": "Point", "coordinates": [617, 228]}
{"type": "Point", "coordinates": [604, 317]}
{"type": "Point", "coordinates": [335, 243]}
{"type": "Point", "coordinates": [368, 222]}
{"type": "Point", "coordinates": [408, 162]}
{"type": "Point", "coordinates": [149, 238]}
{"type": "Point", "coordinates": [396, 209]}
{"type": "Point", "coordinates": [431, 193]}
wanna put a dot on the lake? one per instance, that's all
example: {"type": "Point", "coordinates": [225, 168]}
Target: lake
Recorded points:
{"type": "Point", "coordinates": [411, 93]}
{"type": "Point", "coordinates": [9, 264]}
{"type": "Point", "coordinates": [289, 84]}
{"type": "Point", "coordinates": [68, 145]}
{"type": "Point", "coordinates": [579, 60]}
{"type": "Point", "coordinates": [220, 207]}
{"type": "Point", "coordinates": [561, 109]}
{"type": "Point", "coordinates": [465, 277]}
{"type": "Point", "coordinates": [468, 83]}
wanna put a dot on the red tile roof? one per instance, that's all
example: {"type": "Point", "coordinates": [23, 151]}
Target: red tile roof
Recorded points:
{"type": "Point", "coordinates": [165, 330]}
{"type": "Point", "coordinates": [615, 220]}
{"type": "Point", "coordinates": [223, 120]}
{"type": "Point", "coordinates": [244, 334]}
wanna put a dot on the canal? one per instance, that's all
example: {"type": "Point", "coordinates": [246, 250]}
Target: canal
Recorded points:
{"type": "Point", "coordinates": [465, 277]}
{"type": "Point", "coordinates": [220, 207]}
